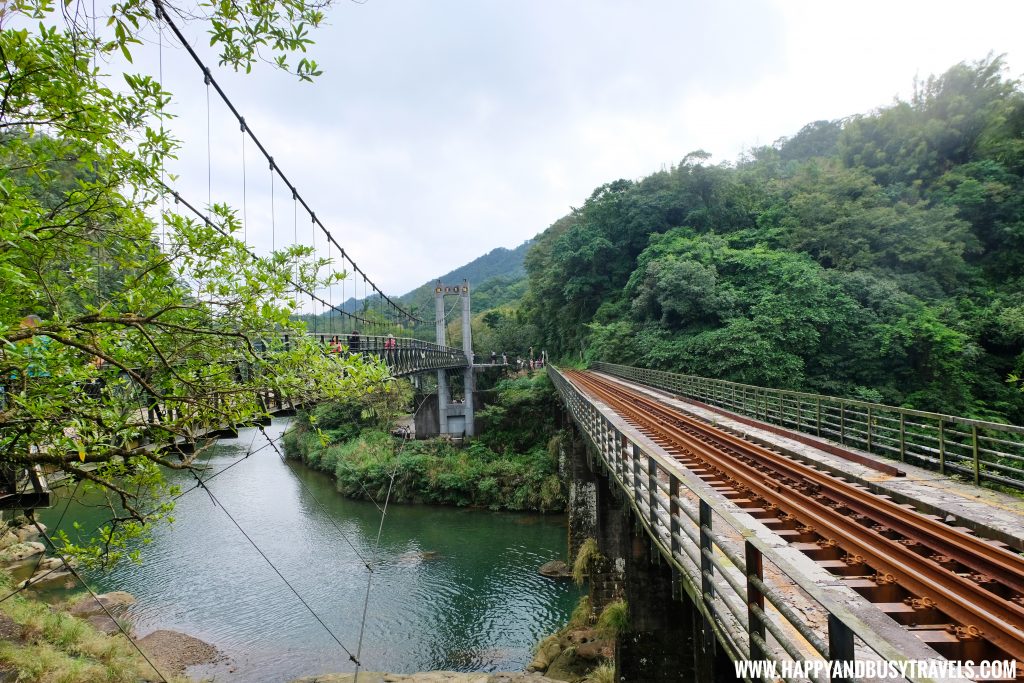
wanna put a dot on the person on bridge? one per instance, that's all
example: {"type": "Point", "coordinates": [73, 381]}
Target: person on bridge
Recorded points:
{"type": "Point", "coordinates": [390, 346]}
{"type": "Point", "coordinates": [335, 344]}
{"type": "Point", "coordinates": [353, 342]}
{"type": "Point", "coordinates": [494, 358]}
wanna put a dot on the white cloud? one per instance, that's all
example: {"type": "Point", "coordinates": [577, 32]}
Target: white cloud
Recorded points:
{"type": "Point", "coordinates": [443, 129]}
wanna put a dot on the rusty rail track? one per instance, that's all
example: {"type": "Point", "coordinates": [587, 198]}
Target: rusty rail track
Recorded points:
{"type": "Point", "coordinates": [960, 593]}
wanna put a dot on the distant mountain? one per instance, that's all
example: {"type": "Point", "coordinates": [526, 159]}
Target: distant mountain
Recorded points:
{"type": "Point", "coordinates": [493, 278]}
{"type": "Point", "coordinates": [496, 278]}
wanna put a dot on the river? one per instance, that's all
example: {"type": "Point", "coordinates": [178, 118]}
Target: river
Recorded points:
{"type": "Point", "coordinates": [453, 589]}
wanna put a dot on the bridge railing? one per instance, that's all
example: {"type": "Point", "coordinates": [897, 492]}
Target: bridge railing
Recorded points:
{"type": "Point", "coordinates": [734, 569]}
{"type": "Point", "coordinates": [979, 450]}
{"type": "Point", "coordinates": [408, 357]}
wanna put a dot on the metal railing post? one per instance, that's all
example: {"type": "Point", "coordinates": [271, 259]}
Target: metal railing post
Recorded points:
{"type": "Point", "coordinates": [707, 568]}
{"type": "Point", "coordinates": [673, 515]}
{"type": "Point", "coordinates": [842, 423]}
{"type": "Point", "coordinates": [903, 436]}
{"type": "Point", "coordinates": [942, 446]}
{"type": "Point", "coordinates": [652, 493]}
{"type": "Point", "coordinates": [974, 451]}
{"type": "Point", "coordinates": [755, 627]}
{"type": "Point", "coordinates": [869, 429]}
{"type": "Point", "coordinates": [636, 473]}
{"type": "Point", "coordinates": [840, 646]}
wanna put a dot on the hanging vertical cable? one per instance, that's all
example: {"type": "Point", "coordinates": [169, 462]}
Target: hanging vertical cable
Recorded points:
{"type": "Point", "coordinates": [245, 199]}
{"type": "Point", "coordinates": [160, 60]}
{"type": "Point", "coordinates": [295, 242]}
{"type": "Point", "coordinates": [209, 144]}
{"type": "Point", "coordinates": [273, 224]}
{"type": "Point", "coordinates": [316, 274]}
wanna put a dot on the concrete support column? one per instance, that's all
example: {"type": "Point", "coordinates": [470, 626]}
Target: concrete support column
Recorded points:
{"type": "Point", "coordinates": [576, 468]}
{"type": "Point", "coordinates": [443, 394]}
{"type": "Point", "coordinates": [660, 643]}
{"type": "Point", "coordinates": [443, 399]}
{"type": "Point", "coordinates": [467, 346]}
{"type": "Point", "coordinates": [608, 581]}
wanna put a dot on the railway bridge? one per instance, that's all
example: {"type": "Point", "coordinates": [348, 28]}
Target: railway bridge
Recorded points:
{"type": "Point", "coordinates": [733, 540]}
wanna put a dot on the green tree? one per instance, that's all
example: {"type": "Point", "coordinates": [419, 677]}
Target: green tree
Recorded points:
{"type": "Point", "coordinates": [102, 314]}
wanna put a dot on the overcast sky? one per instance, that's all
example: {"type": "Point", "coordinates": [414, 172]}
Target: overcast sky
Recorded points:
{"type": "Point", "coordinates": [442, 129]}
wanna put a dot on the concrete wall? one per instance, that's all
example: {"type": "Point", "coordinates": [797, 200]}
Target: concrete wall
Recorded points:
{"type": "Point", "coordinates": [665, 641]}
{"type": "Point", "coordinates": [426, 419]}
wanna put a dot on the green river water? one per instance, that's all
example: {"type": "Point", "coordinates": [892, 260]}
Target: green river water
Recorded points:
{"type": "Point", "coordinates": [453, 589]}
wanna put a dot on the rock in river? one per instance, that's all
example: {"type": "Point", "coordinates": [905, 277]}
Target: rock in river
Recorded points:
{"type": "Point", "coordinates": [555, 569]}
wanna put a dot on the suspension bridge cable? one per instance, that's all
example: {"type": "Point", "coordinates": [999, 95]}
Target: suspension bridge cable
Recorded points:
{"type": "Point", "coordinates": [309, 492]}
{"type": "Point", "coordinates": [376, 548]}
{"type": "Point", "coordinates": [293, 282]}
{"type": "Point", "coordinates": [29, 582]}
{"type": "Point", "coordinates": [160, 61]}
{"type": "Point", "coordinates": [245, 196]}
{"type": "Point", "coordinates": [277, 571]}
{"type": "Point", "coordinates": [161, 12]}
{"type": "Point", "coordinates": [209, 145]}
{"type": "Point", "coordinates": [273, 222]}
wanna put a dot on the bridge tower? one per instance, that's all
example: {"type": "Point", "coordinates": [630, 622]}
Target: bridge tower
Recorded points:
{"type": "Point", "coordinates": [455, 418]}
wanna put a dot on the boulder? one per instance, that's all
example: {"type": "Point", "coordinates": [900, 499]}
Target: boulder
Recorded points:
{"type": "Point", "coordinates": [116, 602]}
{"type": "Point", "coordinates": [50, 579]}
{"type": "Point", "coordinates": [7, 539]}
{"type": "Point", "coordinates": [104, 624]}
{"type": "Point", "coordinates": [556, 569]}
{"type": "Point", "coordinates": [174, 652]}
{"type": "Point", "coordinates": [547, 652]}
{"type": "Point", "coordinates": [21, 551]}
{"type": "Point", "coordinates": [50, 563]}
{"type": "Point", "coordinates": [29, 531]}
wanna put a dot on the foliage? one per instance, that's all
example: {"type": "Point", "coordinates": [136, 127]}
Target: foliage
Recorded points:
{"type": "Point", "coordinates": [586, 557]}
{"type": "Point", "coordinates": [877, 257]}
{"type": "Point", "coordinates": [614, 619]}
{"type": "Point", "coordinates": [434, 472]}
{"type": "Point", "coordinates": [522, 415]}
{"type": "Point", "coordinates": [109, 317]}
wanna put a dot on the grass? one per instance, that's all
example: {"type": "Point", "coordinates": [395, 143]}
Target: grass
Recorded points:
{"type": "Point", "coordinates": [614, 619]}
{"type": "Point", "coordinates": [587, 555]}
{"type": "Point", "coordinates": [582, 615]}
{"type": "Point", "coordinates": [605, 673]}
{"type": "Point", "coordinates": [56, 647]}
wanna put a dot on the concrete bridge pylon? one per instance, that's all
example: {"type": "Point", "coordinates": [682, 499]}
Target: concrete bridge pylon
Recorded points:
{"type": "Point", "coordinates": [455, 418]}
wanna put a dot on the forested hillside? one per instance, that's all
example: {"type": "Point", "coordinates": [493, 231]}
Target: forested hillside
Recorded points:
{"type": "Point", "coordinates": [496, 278]}
{"type": "Point", "coordinates": [880, 256]}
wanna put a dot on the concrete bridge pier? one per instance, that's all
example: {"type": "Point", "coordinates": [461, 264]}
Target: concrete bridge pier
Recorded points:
{"type": "Point", "coordinates": [666, 640]}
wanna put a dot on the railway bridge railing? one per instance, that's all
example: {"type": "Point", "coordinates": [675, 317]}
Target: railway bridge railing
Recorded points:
{"type": "Point", "coordinates": [979, 450]}
{"type": "Point", "coordinates": [734, 569]}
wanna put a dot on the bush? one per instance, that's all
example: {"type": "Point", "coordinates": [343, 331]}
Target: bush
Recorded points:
{"type": "Point", "coordinates": [614, 619]}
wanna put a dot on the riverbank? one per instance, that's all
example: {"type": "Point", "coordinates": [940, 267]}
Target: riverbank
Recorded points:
{"type": "Point", "coordinates": [512, 465]}
{"type": "Point", "coordinates": [80, 640]}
